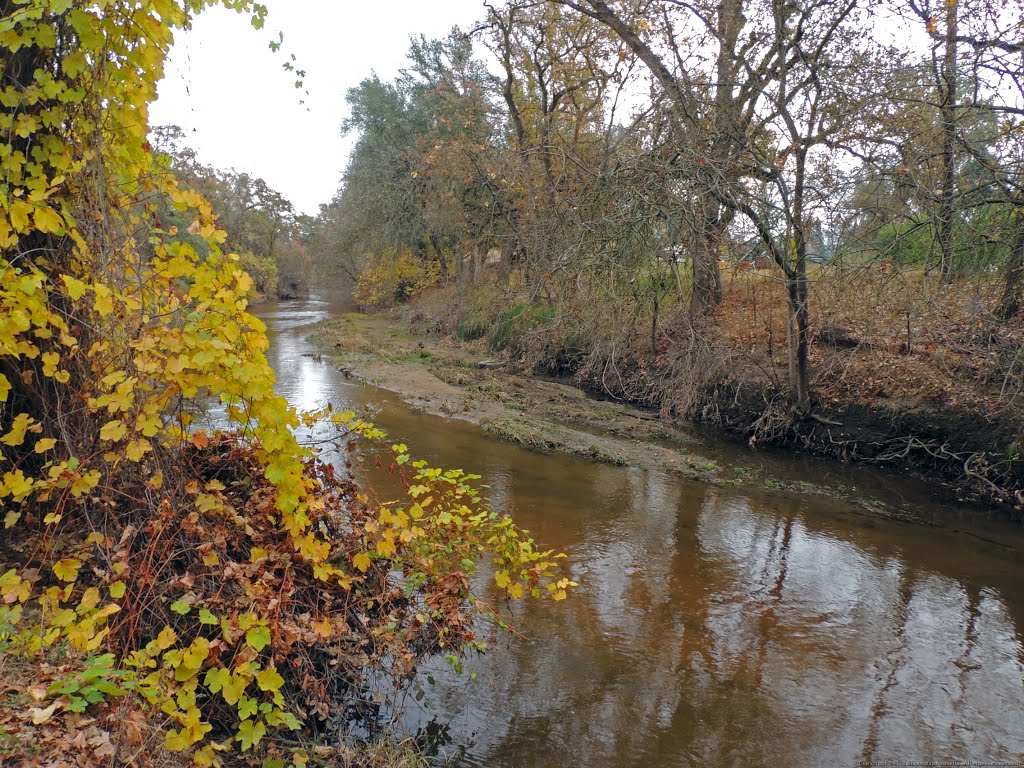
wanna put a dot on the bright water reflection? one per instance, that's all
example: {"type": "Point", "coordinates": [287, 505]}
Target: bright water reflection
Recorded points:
{"type": "Point", "coordinates": [714, 626]}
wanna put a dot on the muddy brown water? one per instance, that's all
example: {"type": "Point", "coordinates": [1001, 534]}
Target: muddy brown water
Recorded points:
{"type": "Point", "coordinates": [714, 626]}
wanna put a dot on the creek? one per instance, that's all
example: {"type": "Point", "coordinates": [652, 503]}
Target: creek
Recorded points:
{"type": "Point", "coordinates": [713, 626]}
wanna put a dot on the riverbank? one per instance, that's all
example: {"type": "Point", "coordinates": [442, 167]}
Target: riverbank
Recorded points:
{"type": "Point", "coordinates": [441, 375]}
{"type": "Point", "coordinates": [931, 394]}
{"type": "Point", "coordinates": [444, 377]}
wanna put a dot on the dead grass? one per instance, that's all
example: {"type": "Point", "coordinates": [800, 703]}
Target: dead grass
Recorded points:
{"type": "Point", "coordinates": [885, 335]}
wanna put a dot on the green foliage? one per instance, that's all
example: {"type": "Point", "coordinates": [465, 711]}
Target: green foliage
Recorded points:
{"type": "Point", "coordinates": [982, 240]}
{"type": "Point", "coordinates": [420, 178]}
{"type": "Point", "coordinates": [517, 321]}
{"type": "Point", "coordinates": [97, 682]}
{"type": "Point", "coordinates": [473, 328]}
{"type": "Point", "coordinates": [258, 222]}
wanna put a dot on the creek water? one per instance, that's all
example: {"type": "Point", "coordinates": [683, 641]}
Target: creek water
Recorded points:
{"type": "Point", "coordinates": [714, 626]}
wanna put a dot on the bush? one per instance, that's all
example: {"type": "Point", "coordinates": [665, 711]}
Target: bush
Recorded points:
{"type": "Point", "coordinates": [226, 585]}
{"type": "Point", "coordinates": [263, 272]}
{"type": "Point", "coordinates": [393, 278]}
{"type": "Point", "coordinates": [515, 322]}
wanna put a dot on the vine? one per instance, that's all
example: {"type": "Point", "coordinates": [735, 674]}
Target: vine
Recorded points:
{"type": "Point", "coordinates": [228, 580]}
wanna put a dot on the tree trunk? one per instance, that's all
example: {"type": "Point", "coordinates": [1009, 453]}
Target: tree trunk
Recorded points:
{"type": "Point", "coordinates": [707, 278]}
{"type": "Point", "coordinates": [654, 327]}
{"type": "Point", "coordinates": [797, 290]}
{"type": "Point", "coordinates": [947, 197]}
{"type": "Point", "coordinates": [439, 257]}
{"type": "Point", "coordinates": [1009, 304]}
{"type": "Point", "coordinates": [799, 338]}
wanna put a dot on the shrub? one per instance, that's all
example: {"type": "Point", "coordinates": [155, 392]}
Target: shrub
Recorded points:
{"type": "Point", "coordinates": [229, 581]}
{"type": "Point", "coordinates": [515, 322]}
{"type": "Point", "coordinates": [392, 278]}
{"type": "Point", "coordinates": [263, 272]}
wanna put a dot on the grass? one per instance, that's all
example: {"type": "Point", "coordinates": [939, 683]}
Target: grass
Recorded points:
{"type": "Point", "coordinates": [384, 754]}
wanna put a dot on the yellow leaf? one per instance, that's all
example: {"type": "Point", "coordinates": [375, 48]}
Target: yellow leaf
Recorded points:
{"type": "Point", "coordinates": [67, 569]}
{"type": "Point", "coordinates": [386, 547]}
{"type": "Point", "coordinates": [501, 579]}
{"type": "Point", "coordinates": [137, 449]}
{"type": "Point", "coordinates": [48, 220]}
{"type": "Point", "coordinates": [22, 424]}
{"type": "Point", "coordinates": [20, 212]}
{"type": "Point", "coordinates": [196, 653]}
{"type": "Point", "coordinates": [250, 734]}
{"type": "Point", "coordinates": [104, 299]}
{"type": "Point", "coordinates": [117, 590]}
{"type": "Point", "coordinates": [323, 628]}
{"type": "Point", "coordinates": [361, 561]}
{"type": "Point", "coordinates": [113, 430]}
{"type": "Point", "coordinates": [177, 741]}
{"type": "Point", "coordinates": [206, 757]}
{"type": "Point", "coordinates": [44, 444]}
{"type": "Point", "coordinates": [165, 639]}
{"type": "Point", "coordinates": [5, 388]}
{"type": "Point", "coordinates": [75, 288]}
{"type": "Point", "coordinates": [269, 679]}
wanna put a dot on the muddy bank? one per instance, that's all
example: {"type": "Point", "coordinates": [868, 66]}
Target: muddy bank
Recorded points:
{"type": "Point", "coordinates": [439, 376]}
{"type": "Point", "coordinates": [464, 380]}
{"type": "Point", "coordinates": [967, 455]}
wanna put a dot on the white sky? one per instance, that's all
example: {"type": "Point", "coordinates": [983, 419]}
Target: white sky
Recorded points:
{"type": "Point", "coordinates": [240, 109]}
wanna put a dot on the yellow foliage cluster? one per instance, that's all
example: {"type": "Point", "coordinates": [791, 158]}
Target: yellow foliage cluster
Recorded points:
{"type": "Point", "coordinates": [392, 277]}
{"type": "Point", "coordinates": [264, 273]}
{"type": "Point", "coordinates": [113, 335]}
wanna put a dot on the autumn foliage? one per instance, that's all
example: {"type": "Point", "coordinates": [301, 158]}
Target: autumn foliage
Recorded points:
{"type": "Point", "coordinates": [392, 278]}
{"type": "Point", "coordinates": [223, 586]}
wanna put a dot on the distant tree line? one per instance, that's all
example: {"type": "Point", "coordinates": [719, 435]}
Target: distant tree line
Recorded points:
{"type": "Point", "coordinates": [623, 153]}
{"type": "Point", "coordinates": [270, 237]}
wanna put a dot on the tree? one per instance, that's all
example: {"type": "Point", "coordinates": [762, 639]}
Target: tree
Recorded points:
{"type": "Point", "coordinates": [259, 221]}
{"type": "Point", "coordinates": [168, 563]}
{"type": "Point", "coordinates": [710, 110]}
{"type": "Point", "coordinates": [757, 115]}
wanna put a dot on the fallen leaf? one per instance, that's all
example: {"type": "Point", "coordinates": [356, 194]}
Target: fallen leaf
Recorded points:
{"type": "Point", "coordinates": [101, 745]}
{"type": "Point", "coordinates": [40, 715]}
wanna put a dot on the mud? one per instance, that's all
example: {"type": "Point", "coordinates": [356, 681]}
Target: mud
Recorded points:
{"type": "Point", "coordinates": [439, 376]}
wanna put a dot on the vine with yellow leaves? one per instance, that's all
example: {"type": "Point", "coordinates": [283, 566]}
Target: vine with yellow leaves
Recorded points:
{"type": "Point", "coordinates": [229, 582]}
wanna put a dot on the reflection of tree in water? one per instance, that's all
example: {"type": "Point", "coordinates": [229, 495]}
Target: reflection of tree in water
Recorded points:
{"type": "Point", "coordinates": [714, 629]}
{"type": "Point", "coordinates": [753, 639]}
{"type": "Point", "coordinates": [768, 642]}
{"type": "Point", "coordinates": [894, 658]}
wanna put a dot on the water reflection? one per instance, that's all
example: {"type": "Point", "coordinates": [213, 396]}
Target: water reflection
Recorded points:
{"type": "Point", "coordinates": [713, 626]}
{"type": "Point", "coordinates": [302, 378]}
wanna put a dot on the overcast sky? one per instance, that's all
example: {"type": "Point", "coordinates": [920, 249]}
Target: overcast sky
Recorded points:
{"type": "Point", "coordinates": [240, 109]}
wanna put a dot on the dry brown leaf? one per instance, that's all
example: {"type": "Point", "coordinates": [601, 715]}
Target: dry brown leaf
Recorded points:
{"type": "Point", "coordinates": [101, 745]}
{"type": "Point", "coordinates": [41, 715]}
